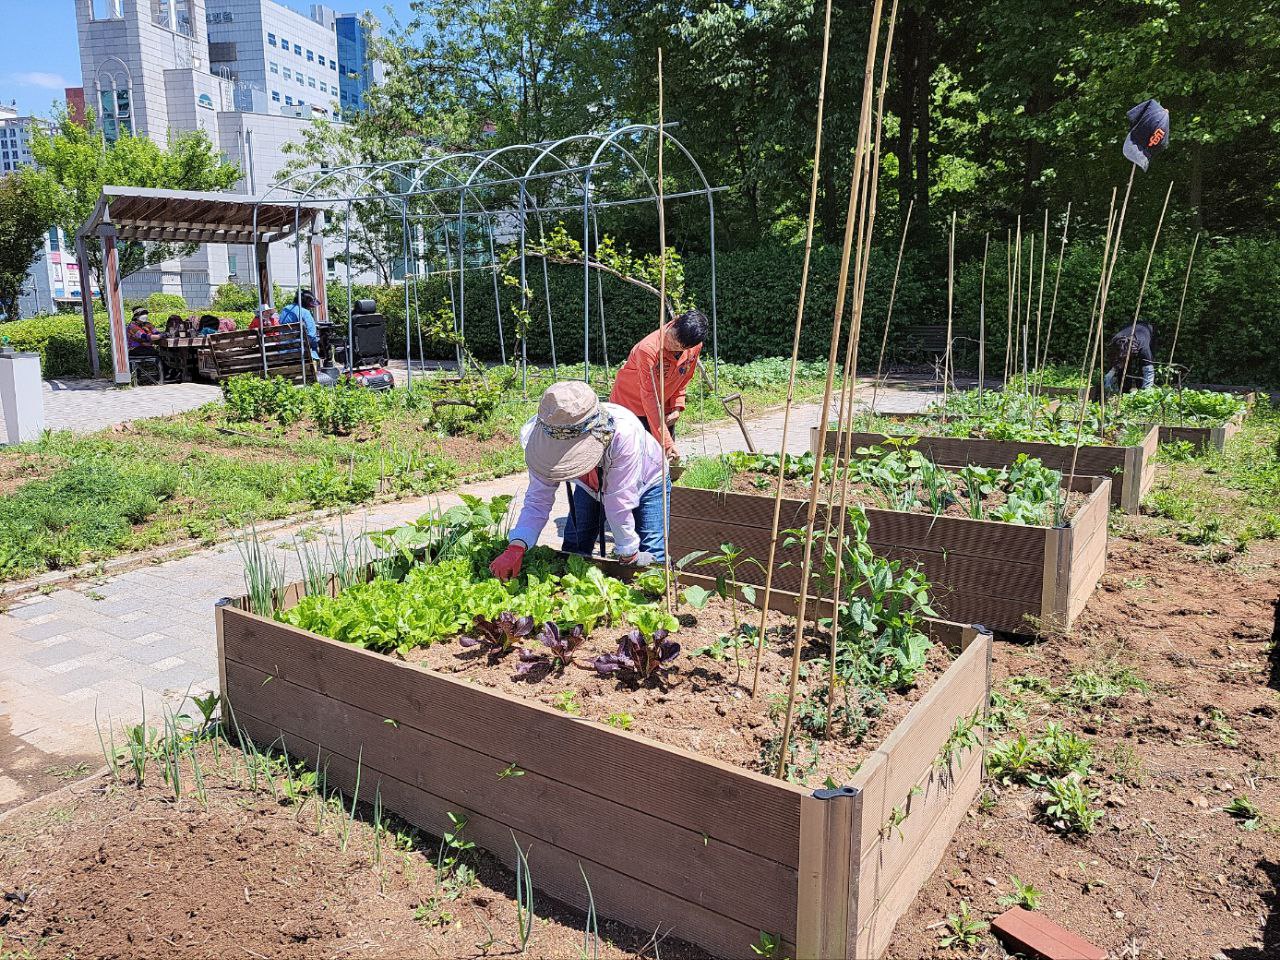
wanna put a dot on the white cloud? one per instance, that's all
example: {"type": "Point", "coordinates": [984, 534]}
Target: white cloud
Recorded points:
{"type": "Point", "coordinates": [46, 81]}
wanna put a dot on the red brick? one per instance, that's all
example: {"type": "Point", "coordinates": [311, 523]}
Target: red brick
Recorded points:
{"type": "Point", "coordinates": [1037, 936]}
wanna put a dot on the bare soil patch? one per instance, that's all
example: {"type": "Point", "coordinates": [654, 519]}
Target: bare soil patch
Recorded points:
{"type": "Point", "coordinates": [706, 705]}
{"type": "Point", "coordinates": [1166, 873]}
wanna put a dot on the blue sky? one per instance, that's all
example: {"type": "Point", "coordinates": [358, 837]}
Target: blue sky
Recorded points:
{"type": "Point", "coordinates": [42, 55]}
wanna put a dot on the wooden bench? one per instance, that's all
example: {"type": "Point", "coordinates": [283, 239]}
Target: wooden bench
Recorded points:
{"type": "Point", "coordinates": [927, 342]}
{"type": "Point", "coordinates": [253, 351]}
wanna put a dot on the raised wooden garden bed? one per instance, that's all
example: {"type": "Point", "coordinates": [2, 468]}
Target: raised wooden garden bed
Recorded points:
{"type": "Point", "coordinates": [1009, 577]}
{"type": "Point", "coordinates": [1203, 438]}
{"type": "Point", "coordinates": [1132, 470]}
{"type": "Point", "coordinates": [668, 839]}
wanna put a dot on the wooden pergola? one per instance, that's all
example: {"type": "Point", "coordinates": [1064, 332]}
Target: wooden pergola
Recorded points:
{"type": "Point", "coordinates": [143, 214]}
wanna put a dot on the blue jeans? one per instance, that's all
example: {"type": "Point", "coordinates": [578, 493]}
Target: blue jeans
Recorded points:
{"type": "Point", "coordinates": [582, 529]}
{"type": "Point", "coordinates": [1148, 377]}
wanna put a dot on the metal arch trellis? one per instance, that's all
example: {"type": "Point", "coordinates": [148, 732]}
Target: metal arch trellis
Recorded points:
{"type": "Point", "coordinates": [438, 193]}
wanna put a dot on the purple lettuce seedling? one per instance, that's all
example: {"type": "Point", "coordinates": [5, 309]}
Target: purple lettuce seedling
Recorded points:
{"type": "Point", "coordinates": [560, 646]}
{"type": "Point", "coordinates": [639, 657]}
{"type": "Point", "coordinates": [498, 637]}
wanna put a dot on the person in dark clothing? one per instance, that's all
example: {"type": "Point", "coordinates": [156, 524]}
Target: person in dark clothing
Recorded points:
{"type": "Point", "coordinates": [1131, 351]}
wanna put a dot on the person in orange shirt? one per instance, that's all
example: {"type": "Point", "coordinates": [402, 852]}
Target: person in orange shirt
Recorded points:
{"type": "Point", "coordinates": [639, 381]}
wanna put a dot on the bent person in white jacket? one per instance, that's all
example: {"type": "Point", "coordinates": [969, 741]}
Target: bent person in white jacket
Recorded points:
{"type": "Point", "coordinates": [617, 470]}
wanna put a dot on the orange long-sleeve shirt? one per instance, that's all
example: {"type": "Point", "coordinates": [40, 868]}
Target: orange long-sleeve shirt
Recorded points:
{"type": "Point", "coordinates": [638, 382]}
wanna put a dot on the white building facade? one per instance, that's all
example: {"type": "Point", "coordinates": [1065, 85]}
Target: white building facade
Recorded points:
{"type": "Point", "coordinates": [158, 68]}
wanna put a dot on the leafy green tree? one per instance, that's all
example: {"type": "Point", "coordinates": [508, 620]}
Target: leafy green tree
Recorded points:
{"type": "Point", "coordinates": [26, 214]}
{"type": "Point", "coordinates": [74, 163]}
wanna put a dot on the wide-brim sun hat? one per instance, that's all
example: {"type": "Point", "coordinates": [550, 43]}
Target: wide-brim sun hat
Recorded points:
{"type": "Point", "coordinates": [570, 432]}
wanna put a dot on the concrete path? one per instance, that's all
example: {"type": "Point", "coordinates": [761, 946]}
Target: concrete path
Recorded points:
{"type": "Point", "coordinates": [82, 660]}
{"type": "Point", "coordinates": [83, 406]}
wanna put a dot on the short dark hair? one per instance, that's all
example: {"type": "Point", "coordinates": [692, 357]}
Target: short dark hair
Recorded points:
{"type": "Point", "coordinates": [690, 327]}
{"type": "Point", "coordinates": [307, 299]}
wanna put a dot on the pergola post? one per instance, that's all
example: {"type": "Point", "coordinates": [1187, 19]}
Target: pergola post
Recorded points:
{"type": "Point", "coordinates": [86, 304]}
{"type": "Point", "coordinates": [318, 284]}
{"type": "Point", "coordinates": [115, 309]}
{"type": "Point", "coordinates": [266, 290]}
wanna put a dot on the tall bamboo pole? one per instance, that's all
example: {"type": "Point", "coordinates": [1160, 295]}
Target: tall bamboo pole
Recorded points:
{"type": "Point", "coordinates": [1044, 258]}
{"type": "Point", "coordinates": [893, 292]}
{"type": "Point", "coordinates": [1017, 294]}
{"type": "Point", "coordinates": [982, 321]}
{"type": "Point", "coordinates": [1031, 289]}
{"type": "Point", "coordinates": [842, 287]}
{"type": "Point", "coordinates": [844, 451]}
{"type": "Point", "coordinates": [948, 362]}
{"type": "Point", "coordinates": [1057, 279]}
{"type": "Point", "coordinates": [1008, 327]}
{"type": "Point", "coordinates": [662, 348]}
{"type": "Point", "coordinates": [1142, 289]}
{"type": "Point", "coordinates": [795, 346]}
{"type": "Point", "coordinates": [1182, 303]}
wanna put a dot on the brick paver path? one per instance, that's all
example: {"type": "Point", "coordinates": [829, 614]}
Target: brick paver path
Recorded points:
{"type": "Point", "coordinates": [92, 655]}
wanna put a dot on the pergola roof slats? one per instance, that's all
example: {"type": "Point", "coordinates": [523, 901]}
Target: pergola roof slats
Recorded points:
{"type": "Point", "coordinates": [185, 216]}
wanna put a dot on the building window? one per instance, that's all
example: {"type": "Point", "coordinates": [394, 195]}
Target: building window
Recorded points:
{"type": "Point", "coordinates": [311, 82]}
{"type": "Point", "coordinates": [106, 9]}
{"type": "Point", "coordinates": [116, 114]}
{"type": "Point", "coordinates": [233, 264]}
{"type": "Point", "coordinates": [54, 241]}
{"type": "Point", "coordinates": [275, 96]}
{"type": "Point", "coordinates": [297, 48]}
{"type": "Point", "coordinates": [301, 80]}
{"type": "Point", "coordinates": [322, 59]}
{"type": "Point", "coordinates": [324, 87]}
{"type": "Point", "coordinates": [311, 56]}
{"type": "Point", "coordinates": [288, 101]}
{"type": "Point", "coordinates": [57, 273]}
{"type": "Point", "coordinates": [284, 44]}
{"type": "Point", "coordinates": [275, 67]}
{"type": "Point", "coordinates": [333, 64]}
{"type": "Point", "coordinates": [288, 74]}
{"type": "Point", "coordinates": [271, 39]}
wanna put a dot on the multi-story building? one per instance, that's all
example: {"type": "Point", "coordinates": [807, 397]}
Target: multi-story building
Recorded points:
{"type": "Point", "coordinates": [358, 69]}
{"type": "Point", "coordinates": [15, 139]}
{"type": "Point", "coordinates": [250, 73]}
{"type": "Point", "coordinates": [275, 52]}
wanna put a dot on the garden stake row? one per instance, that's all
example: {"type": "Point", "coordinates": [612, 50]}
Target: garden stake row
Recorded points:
{"type": "Point", "coordinates": [864, 142]}
{"type": "Point", "coordinates": [795, 341]}
{"type": "Point", "coordinates": [849, 387]}
{"type": "Point", "coordinates": [1182, 303]}
{"type": "Point", "coordinates": [893, 292]}
{"type": "Point", "coordinates": [1142, 289]}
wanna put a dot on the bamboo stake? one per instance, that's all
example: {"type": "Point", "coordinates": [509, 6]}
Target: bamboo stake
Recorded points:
{"type": "Point", "coordinates": [795, 347]}
{"type": "Point", "coordinates": [1017, 295]}
{"type": "Point", "coordinates": [1181, 303]}
{"type": "Point", "coordinates": [1057, 279]}
{"type": "Point", "coordinates": [1044, 258]}
{"type": "Point", "coordinates": [1142, 289]}
{"type": "Point", "coordinates": [662, 347]}
{"type": "Point", "coordinates": [893, 292]}
{"type": "Point", "coordinates": [1008, 328]}
{"type": "Point", "coordinates": [1031, 287]}
{"type": "Point", "coordinates": [864, 124]}
{"type": "Point", "coordinates": [1102, 311]}
{"type": "Point", "coordinates": [982, 321]}
{"type": "Point", "coordinates": [1102, 306]}
{"type": "Point", "coordinates": [951, 282]}
{"type": "Point", "coordinates": [849, 388]}
{"type": "Point", "coordinates": [1086, 362]}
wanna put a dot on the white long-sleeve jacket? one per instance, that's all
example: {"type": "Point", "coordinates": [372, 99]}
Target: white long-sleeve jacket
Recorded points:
{"type": "Point", "coordinates": [632, 464]}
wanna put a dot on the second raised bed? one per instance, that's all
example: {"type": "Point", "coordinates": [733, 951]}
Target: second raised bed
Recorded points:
{"type": "Point", "coordinates": [1132, 470]}
{"type": "Point", "coordinates": [1010, 577]}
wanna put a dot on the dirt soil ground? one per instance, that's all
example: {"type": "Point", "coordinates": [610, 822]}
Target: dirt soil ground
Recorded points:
{"type": "Point", "coordinates": [706, 705]}
{"type": "Point", "coordinates": [1166, 873]}
{"type": "Point", "coordinates": [131, 874]}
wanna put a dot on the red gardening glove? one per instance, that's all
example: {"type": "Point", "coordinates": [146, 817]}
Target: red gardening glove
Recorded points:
{"type": "Point", "coordinates": [507, 565]}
